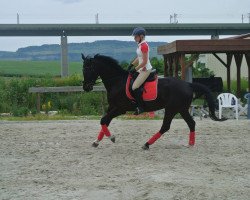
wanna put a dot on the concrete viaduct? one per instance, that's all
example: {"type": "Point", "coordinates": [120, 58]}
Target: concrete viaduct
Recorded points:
{"type": "Point", "coordinates": [64, 30]}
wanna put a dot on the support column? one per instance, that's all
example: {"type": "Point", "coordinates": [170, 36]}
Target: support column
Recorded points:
{"type": "Point", "coordinates": [183, 66]}
{"type": "Point", "coordinates": [228, 65]}
{"type": "Point", "coordinates": [176, 67]}
{"type": "Point", "coordinates": [64, 56]}
{"type": "Point", "coordinates": [238, 59]}
{"type": "Point", "coordinates": [189, 74]}
{"type": "Point", "coordinates": [215, 37]}
{"type": "Point", "coordinates": [166, 66]}
{"type": "Point", "coordinates": [247, 55]}
{"type": "Point", "coordinates": [171, 66]}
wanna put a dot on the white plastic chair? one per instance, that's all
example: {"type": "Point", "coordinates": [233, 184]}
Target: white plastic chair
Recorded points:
{"type": "Point", "coordinates": [228, 100]}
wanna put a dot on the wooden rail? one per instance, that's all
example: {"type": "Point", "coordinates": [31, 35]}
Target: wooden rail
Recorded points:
{"type": "Point", "coordinates": [40, 90]}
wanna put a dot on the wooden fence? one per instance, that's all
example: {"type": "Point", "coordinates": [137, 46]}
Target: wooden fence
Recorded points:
{"type": "Point", "coordinates": [41, 90]}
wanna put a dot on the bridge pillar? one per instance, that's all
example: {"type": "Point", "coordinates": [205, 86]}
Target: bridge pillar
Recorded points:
{"type": "Point", "coordinates": [64, 56]}
{"type": "Point", "coordinates": [215, 37]}
{"type": "Point", "coordinates": [189, 74]}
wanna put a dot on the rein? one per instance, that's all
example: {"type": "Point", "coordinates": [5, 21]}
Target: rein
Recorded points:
{"type": "Point", "coordinates": [107, 80]}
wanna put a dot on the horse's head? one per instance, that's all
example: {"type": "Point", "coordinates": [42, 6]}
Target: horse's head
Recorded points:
{"type": "Point", "coordinates": [89, 73]}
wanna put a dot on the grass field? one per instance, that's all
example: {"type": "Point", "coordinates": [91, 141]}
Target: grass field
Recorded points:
{"type": "Point", "coordinates": [30, 68]}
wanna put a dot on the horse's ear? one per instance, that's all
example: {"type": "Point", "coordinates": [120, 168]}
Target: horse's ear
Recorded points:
{"type": "Point", "coordinates": [96, 55]}
{"type": "Point", "coordinates": [83, 57]}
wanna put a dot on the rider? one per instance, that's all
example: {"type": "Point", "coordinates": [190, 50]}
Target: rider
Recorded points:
{"type": "Point", "coordinates": [142, 65]}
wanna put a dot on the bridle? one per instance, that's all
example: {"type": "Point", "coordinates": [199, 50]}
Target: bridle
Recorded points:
{"type": "Point", "coordinates": [92, 82]}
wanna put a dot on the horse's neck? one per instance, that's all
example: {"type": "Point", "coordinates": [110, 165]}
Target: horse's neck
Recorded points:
{"type": "Point", "coordinates": [112, 79]}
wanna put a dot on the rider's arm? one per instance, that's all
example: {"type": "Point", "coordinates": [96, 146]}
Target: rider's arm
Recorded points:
{"type": "Point", "coordinates": [144, 61]}
{"type": "Point", "coordinates": [135, 62]}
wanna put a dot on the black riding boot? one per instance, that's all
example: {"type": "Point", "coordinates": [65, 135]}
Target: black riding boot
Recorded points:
{"type": "Point", "coordinates": [139, 101]}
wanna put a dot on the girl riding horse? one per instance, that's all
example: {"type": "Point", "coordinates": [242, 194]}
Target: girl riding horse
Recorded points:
{"type": "Point", "coordinates": [174, 95]}
{"type": "Point", "coordinates": [142, 65]}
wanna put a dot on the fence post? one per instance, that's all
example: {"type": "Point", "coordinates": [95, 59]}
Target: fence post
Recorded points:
{"type": "Point", "coordinates": [38, 102]}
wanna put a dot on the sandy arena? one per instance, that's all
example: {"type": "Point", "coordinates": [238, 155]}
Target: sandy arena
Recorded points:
{"type": "Point", "coordinates": [55, 160]}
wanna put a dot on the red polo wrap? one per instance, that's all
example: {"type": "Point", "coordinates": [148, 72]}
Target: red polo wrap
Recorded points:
{"type": "Point", "coordinates": [154, 138]}
{"type": "Point", "coordinates": [100, 136]}
{"type": "Point", "coordinates": [191, 138]}
{"type": "Point", "coordinates": [106, 130]}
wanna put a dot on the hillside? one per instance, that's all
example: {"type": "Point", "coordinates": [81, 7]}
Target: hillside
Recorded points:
{"type": "Point", "coordinates": [120, 50]}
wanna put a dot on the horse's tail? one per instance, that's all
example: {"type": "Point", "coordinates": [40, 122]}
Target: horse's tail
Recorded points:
{"type": "Point", "coordinates": [202, 89]}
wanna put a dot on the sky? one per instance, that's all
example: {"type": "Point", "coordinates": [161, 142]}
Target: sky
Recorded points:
{"type": "Point", "coordinates": [115, 11]}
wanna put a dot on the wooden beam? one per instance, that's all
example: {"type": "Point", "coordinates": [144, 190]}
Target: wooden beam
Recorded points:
{"type": "Point", "coordinates": [218, 58]}
{"type": "Point", "coordinates": [228, 65]}
{"type": "Point", "coordinates": [238, 60]}
{"type": "Point", "coordinates": [183, 66]}
{"type": "Point", "coordinates": [176, 63]}
{"type": "Point", "coordinates": [166, 66]}
{"type": "Point", "coordinates": [171, 61]}
{"type": "Point", "coordinates": [247, 55]}
{"type": "Point", "coordinates": [205, 46]}
{"type": "Point", "coordinates": [63, 89]}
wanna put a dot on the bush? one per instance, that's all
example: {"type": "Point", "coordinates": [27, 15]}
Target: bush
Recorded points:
{"type": "Point", "coordinates": [244, 86]}
{"type": "Point", "coordinates": [201, 71]}
{"type": "Point", "coordinates": [20, 112]}
{"type": "Point", "coordinates": [14, 96]}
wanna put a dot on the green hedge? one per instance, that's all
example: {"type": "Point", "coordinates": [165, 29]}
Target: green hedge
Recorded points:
{"type": "Point", "coordinates": [244, 86]}
{"type": "Point", "coordinates": [14, 96]}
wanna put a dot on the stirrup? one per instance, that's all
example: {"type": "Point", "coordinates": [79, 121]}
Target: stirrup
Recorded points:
{"type": "Point", "coordinates": [138, 111]}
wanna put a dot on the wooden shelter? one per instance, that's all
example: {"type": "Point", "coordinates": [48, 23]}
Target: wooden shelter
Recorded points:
{"type": "Point", "coordinates": [174, 55]}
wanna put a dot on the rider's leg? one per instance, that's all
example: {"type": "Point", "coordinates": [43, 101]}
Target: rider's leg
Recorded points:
{"type": "Point", "coordinates": [138, 91]}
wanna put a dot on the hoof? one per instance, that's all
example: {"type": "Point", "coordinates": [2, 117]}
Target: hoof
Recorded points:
{"type": "Point", "coordinates": [145, 147]}
{"type": "Point", "coordinates": [112, 138]}
{"type": "Point", "coordinates": [95, 144]}
{"type": "Point", "coordinates": [191, 144]}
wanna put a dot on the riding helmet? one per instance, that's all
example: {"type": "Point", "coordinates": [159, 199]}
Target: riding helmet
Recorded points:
{"type": "Point", "coordinates": [139, 31]}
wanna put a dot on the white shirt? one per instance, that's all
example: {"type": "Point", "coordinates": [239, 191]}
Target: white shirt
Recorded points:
{"type": "Point", "coordinates": [143, 48]}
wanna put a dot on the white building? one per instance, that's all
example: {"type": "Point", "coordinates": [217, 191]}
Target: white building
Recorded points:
{"type": "Point", "coordinates": [219, 70]}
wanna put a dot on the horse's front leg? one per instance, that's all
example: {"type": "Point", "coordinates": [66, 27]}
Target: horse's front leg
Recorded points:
{"type": "Point", "coordinates": [105, 121]}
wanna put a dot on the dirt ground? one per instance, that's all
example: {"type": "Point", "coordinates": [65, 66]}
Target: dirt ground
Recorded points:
{"type": "Point", "coordinates": [55, 160]}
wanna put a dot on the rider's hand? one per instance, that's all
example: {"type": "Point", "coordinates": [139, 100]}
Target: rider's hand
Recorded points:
{"type": "Point", "coordinates": [130, 67]}
{"type": "Point", "coordinates": [132, 71]}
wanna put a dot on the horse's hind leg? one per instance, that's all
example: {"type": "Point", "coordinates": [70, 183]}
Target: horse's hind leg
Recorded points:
{"type": "Point", "coordinates": [191, 124]}
{"type": "Point", "coordinates": [168, 117]}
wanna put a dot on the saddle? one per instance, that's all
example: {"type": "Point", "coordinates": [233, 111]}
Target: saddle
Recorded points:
{"type": "Point", "coordinates": [149, 86]}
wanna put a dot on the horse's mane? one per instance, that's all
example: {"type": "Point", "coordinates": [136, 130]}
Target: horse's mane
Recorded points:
{"type": "Point", "coordinates": [111, 62]}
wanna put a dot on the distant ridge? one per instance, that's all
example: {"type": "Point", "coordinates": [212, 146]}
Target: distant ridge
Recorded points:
{"type": "Point", "coordinates": [120, 50]}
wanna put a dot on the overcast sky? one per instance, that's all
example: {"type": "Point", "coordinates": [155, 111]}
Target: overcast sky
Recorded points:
{"type": "Point", "coordinates": [115, 11]}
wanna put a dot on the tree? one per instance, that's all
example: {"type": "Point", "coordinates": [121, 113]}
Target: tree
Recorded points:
{"type": "Point", "coordinates": [158, 65]}
{"type": "Point", "coordinates": [201, 71]}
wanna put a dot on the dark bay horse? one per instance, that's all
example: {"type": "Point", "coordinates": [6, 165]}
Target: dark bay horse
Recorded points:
{"type": "Point", "coordinates": [174, 95]}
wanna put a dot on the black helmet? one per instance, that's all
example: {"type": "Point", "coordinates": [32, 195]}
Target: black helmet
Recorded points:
{"type": "Point", "coordinates": [139, 31]}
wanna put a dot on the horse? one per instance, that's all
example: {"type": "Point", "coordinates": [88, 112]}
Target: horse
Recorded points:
{"type": "Point", "coordinates": [174, 95]}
